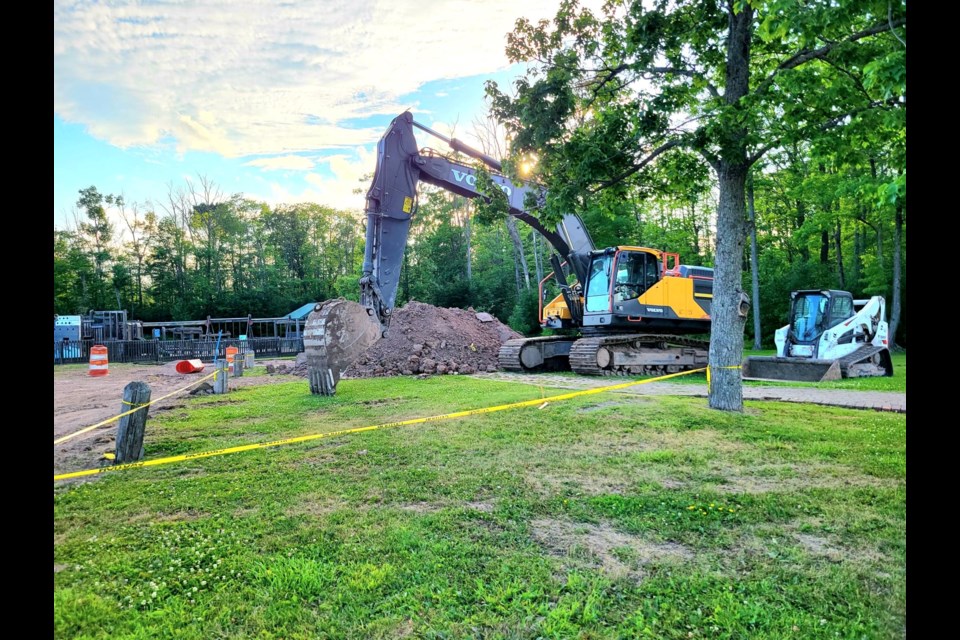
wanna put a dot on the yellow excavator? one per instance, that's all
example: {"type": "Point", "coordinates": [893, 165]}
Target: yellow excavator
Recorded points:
{"type": "Point", "coordinates": [617, 310]}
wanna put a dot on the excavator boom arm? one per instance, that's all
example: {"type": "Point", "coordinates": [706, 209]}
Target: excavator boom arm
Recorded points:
{"type": "Point", "coordinates": [392, 197]}
{"type": "Point", "coordinates": [339, 331]}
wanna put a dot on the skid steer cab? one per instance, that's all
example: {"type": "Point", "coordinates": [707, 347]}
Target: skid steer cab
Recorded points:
{"type": "Point", "coordinates": [830, 336]}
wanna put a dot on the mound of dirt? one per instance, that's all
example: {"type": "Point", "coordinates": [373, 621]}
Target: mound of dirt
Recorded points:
{"type": "Point", "coordinates": [424, 339]}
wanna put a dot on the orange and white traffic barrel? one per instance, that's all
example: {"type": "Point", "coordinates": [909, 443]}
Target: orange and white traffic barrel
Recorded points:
{"type": "Point", "coordinates": [189, 366]}
{"type": "Point", "coordinates": [99, 366]}
{"type": "Point", "coordinates": [231, 356]}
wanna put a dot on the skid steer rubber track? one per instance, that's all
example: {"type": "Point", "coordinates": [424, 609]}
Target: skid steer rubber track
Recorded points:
{"type": "Point", "coordinates": [867, 361]}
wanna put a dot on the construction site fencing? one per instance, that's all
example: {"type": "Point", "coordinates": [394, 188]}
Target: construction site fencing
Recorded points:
{"type": "Point", "coordinates": [168, 350]}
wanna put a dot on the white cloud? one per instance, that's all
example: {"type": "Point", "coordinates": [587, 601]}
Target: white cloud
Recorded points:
{"type": "Point", "coordinates": [248, 77]}
{"type": "Point", "coordinates": [279, 163]}
{"type": "Point", "coordinates": [349, 172]}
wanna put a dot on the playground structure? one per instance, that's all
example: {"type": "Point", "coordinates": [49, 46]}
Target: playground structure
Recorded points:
{"type": "Point", "coordinates": [136, 341]}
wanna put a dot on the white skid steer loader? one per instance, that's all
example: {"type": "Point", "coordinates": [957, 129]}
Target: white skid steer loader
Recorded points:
{"type": "Point", "coordinates": [830, 336]}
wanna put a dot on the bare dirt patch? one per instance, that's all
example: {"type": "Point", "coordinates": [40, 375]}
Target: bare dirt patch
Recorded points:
{"type": "Point", "coordinates": [422, 508]}
{"type": "Point", "coordinates": [175, 516]}
{"type": "Point", "coordinates": [784, 478]}
{"type": "Point", "coordinates": [670, 483]}
{"type": "Point", "coordinates": [316, 506]}
{"type": "Point", "coordinates": [80, 401]}
{"type": "Point", "coordinates": [770, 541]}
{"type": "Point", "coordinates": [601, 405]}
{"type": "Point", "coordinates": [485, 507]}
{"type": "Point", "coordinates": [601, 546]}
{"type": "Point", "coordinates": [592, 485]}
{"type": "Point", "coordinates": [819, 546]}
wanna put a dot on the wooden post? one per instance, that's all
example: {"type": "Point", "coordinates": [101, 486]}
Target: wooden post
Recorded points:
{"type": "Point", "coordinates": [237, 366]}
{"type": "Point", "coordinates": [220, 380]}
{"type": "Point", "coordinates": [131, 427]}
{"type": "Point", "coordinates": [248, 359]}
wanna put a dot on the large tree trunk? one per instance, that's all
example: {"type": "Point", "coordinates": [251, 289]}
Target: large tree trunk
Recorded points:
{"type": "Point", "coordinates": [516, 276]}
{"type": "Point", "coordinates": [466, 228]}
{"type": "Point", "coordinates": [897, 242]}
{"type": "Point", "coordinates": [824, 246]}
{"type": "Point", "coordinates": [726, 332]}
{"type": "Point", "coordinates": [873, 174]}
{"type": "Point", "coordinates": [857, 252]}
{"type": "Point", "coordinates": [800, 219]}
{"type": "Point", "coordinates": [695, 227]}
{"type": "Point", "coordinates": [518, 249]}
{"type": "Point", "coordinates": [754, 267]}
{"type": "Point", "coordinates": [879, 230]}
{"type": "Point", "coordinates": [839, 250]}
{"type": "Point", "coordinates": [726, 343]}
{"type": "Point", "coordinates": [537, 258]}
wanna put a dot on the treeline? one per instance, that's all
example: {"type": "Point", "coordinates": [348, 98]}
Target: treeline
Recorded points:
{"type": "Point", "coordinates": [819, 224]}
{"type": "Point", "coordinates": [199, 253]}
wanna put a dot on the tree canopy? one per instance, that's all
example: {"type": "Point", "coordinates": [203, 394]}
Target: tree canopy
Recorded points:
{"type": "Point", "coordinates": [608, 96]}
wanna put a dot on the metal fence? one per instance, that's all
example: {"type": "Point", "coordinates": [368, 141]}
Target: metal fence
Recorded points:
{"type": "Point", "coordinates": [167, 350]}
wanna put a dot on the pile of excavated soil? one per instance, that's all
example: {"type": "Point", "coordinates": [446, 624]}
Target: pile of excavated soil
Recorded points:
{"type": "Point", "coordinates": [424, 339]}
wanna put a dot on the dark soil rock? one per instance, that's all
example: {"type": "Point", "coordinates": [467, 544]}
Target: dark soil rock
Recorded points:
{"type": "Point", "coordinates": [424, 339]}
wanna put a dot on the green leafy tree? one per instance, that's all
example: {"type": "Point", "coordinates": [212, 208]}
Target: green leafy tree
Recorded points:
{"type": "Point", "coordinates": [97, 233]}
{"type": "Point", "coordinates": [72, 272]}
{"type": "Point", "coordinates": [607, 95]}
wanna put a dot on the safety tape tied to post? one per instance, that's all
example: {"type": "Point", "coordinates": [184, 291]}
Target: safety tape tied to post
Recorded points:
{"type": "Point", "coordinates": [126, 413]}
{"type": "Point", "coordinates": [387, 425]}
{"type": "Point", "coordinates": [733, 366]}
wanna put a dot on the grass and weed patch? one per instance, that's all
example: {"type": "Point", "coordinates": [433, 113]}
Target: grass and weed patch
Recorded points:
{"type": "Point", "coordinates": [646, 518]}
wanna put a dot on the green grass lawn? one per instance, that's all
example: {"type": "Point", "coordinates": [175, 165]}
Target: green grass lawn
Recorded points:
{"type": "Point", "coordinates": [602, 517]}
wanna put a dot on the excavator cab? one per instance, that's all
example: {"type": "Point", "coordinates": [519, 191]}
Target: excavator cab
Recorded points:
{"type": "Point", "coordinates": [632, 286]}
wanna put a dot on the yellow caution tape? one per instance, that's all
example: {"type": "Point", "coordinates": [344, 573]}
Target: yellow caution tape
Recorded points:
{"type": "Point", "coordinates": [733, 366]}
{"type": "Point", "coordinates": [126, 413]}
{"type": "Point", "coordinates": [342, 432]}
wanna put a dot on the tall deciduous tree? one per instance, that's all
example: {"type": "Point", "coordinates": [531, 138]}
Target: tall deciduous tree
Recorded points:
{"type": "Point", "coordinates": [97, 230]}
{"type": "Point", "coordinates": [730, 79]}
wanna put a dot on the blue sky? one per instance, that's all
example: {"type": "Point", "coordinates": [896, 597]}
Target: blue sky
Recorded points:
{"type": "Point", "coordinates": [280, 101]}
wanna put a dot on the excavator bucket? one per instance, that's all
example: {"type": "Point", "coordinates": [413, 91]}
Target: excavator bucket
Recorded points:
{"type": "Point", "coordinates": [337, 332]}
{"type": "Point", "coordinates": [790, 369]}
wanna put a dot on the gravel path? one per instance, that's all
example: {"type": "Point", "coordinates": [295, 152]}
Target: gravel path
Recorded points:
{"type": "Point", "coordinates": [876, 400]}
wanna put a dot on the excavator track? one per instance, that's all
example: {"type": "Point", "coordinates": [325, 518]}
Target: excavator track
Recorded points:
{"type": "Point", "coordinates": [530, 355]}
{"type": "Point", "coordinates": [639, 354]}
